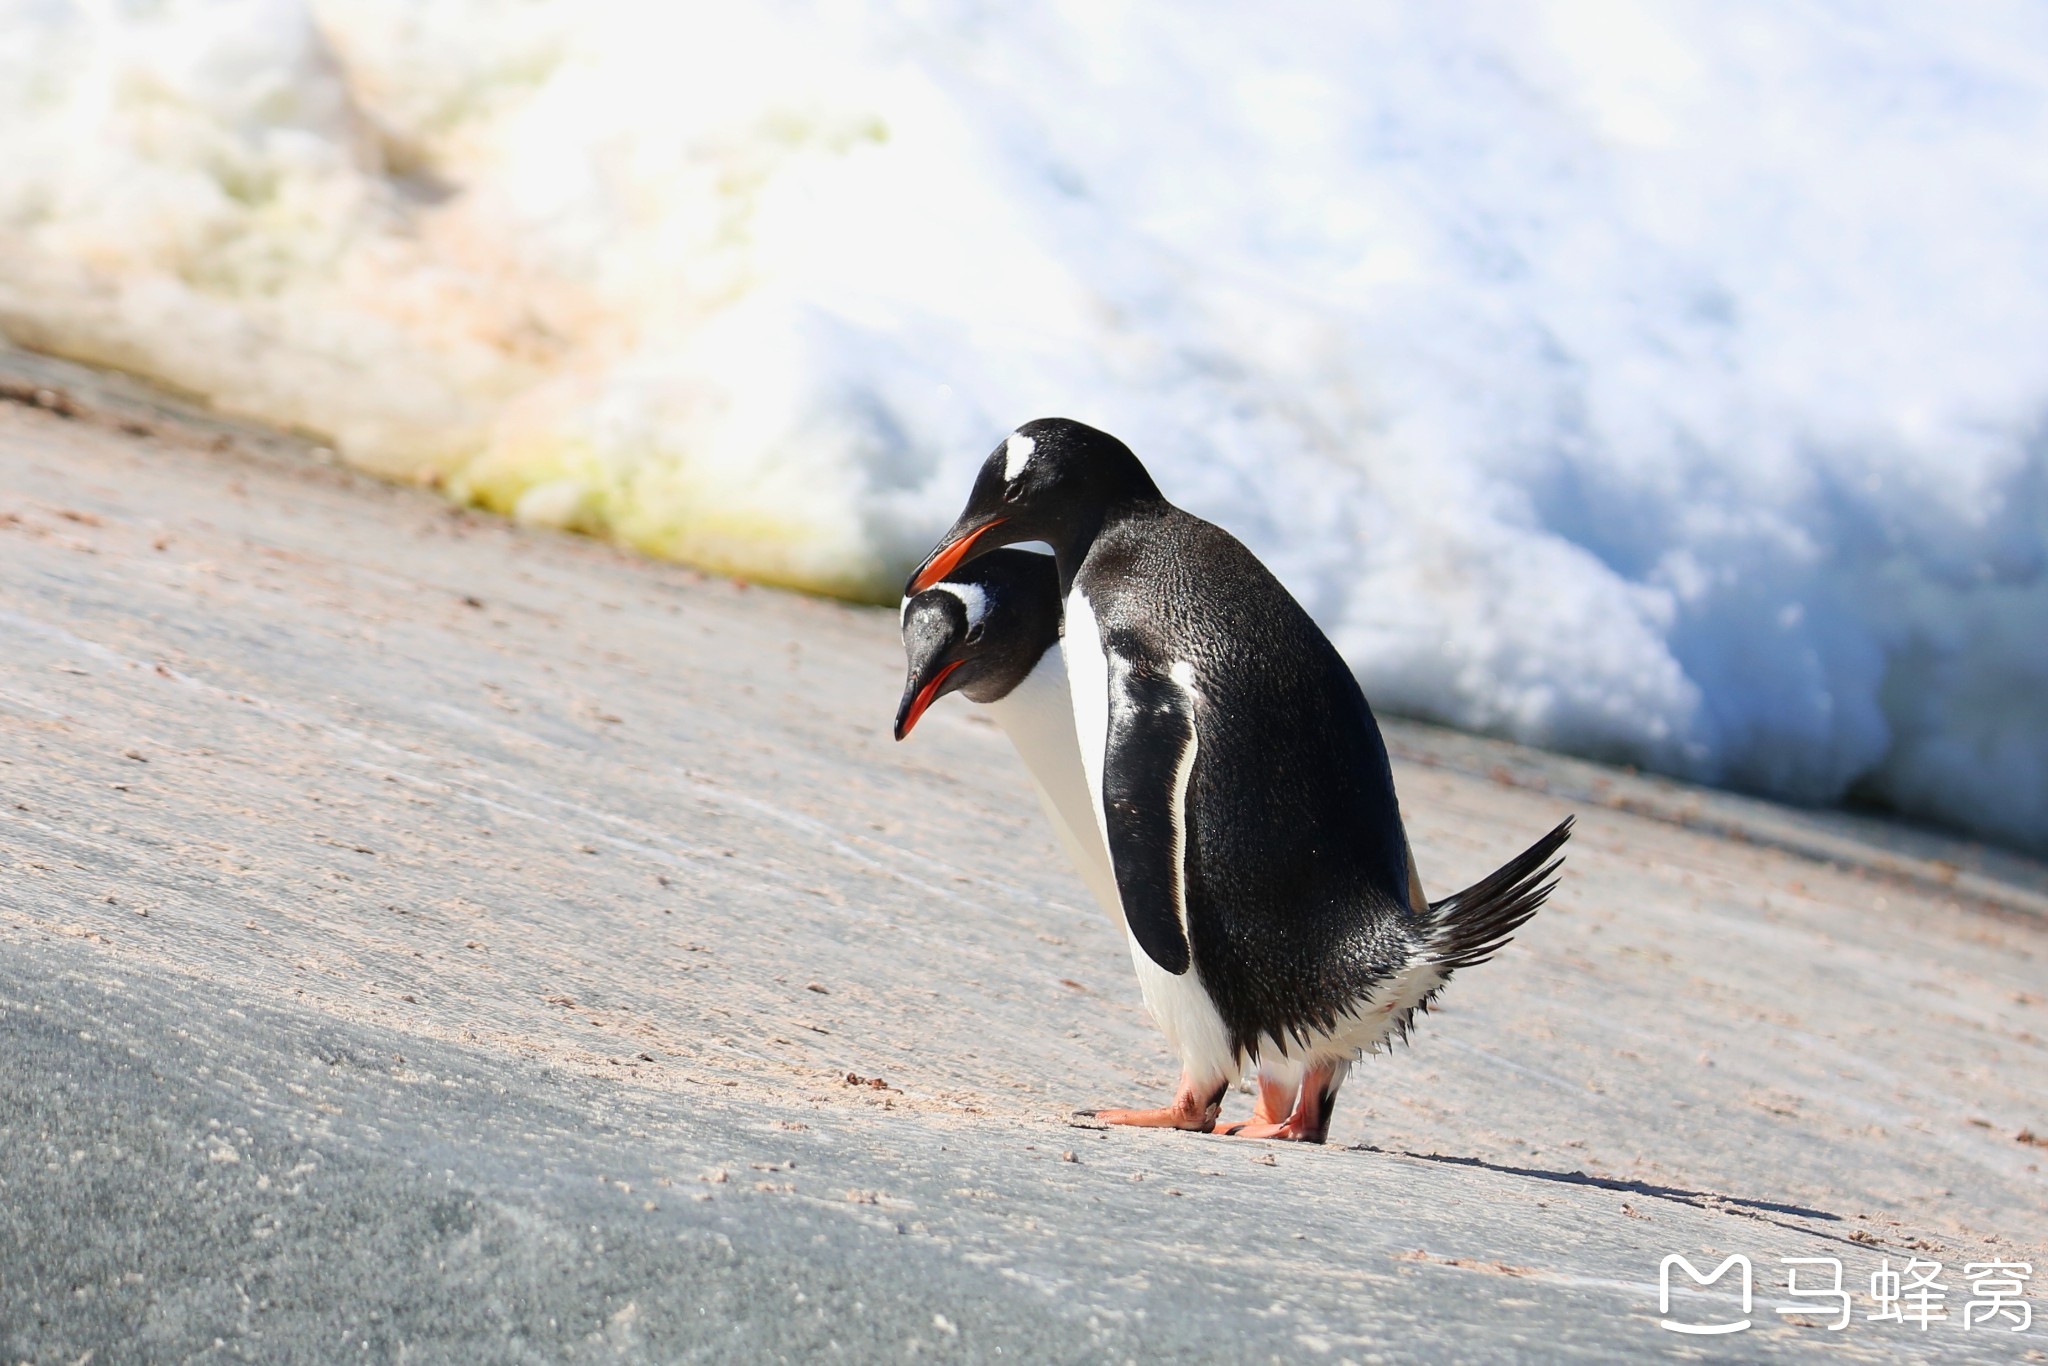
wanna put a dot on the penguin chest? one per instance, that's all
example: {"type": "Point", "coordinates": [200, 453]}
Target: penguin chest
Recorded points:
{"type": "Point", "coordinates": [1088, 688]}
{"type": "Point", "coordinates": [1178, 1002]}
{"type": "Point", "coordinates": [1038, 716]}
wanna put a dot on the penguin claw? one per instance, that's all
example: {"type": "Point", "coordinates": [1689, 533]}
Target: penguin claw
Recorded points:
{"type": "Point", "coordinates": [1298, 1115]}
{"type": "Point", "coordinates": [1166, 1117]}
{"type": "Point", "coordinates": [1286, 1129]}
{"type": "Point", "coordinates": [1275, 1104]}
{"type": "Point", "coordinates": [1194, 1108]}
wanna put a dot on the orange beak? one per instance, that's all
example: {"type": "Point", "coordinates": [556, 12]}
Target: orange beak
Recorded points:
{"type": "Point", "coordinates": [925, 697]}
{"type": "Point", "coordinates": [947, 558]}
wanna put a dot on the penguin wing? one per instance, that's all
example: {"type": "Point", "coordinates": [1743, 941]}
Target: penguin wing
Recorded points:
{"type": "Point", "coordinates": [1148, 757]}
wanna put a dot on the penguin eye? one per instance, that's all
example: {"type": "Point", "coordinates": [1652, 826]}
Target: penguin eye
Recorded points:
{"type": "Point", "coordinates": [1013, 491]}
{"type": "Point", "coordinates": [974, 633]}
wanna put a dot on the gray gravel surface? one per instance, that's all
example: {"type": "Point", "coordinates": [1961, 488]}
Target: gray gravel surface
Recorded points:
{"type": "Point", "coordinates": [427, 939]}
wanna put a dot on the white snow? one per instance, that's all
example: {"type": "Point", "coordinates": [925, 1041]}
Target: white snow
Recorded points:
{"type": "Point", "coordinates": [1663, 381]}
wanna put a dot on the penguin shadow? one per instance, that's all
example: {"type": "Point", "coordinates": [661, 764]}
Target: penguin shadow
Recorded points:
{"type": "Point", "coordinates": [1768, 1211]}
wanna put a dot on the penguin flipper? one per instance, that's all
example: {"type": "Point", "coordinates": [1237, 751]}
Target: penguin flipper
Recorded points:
{"type": "Point", "coordinates": [1148, 759]}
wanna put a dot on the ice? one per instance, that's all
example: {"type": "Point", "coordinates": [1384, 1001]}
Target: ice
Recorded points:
{"type": "Point", "coordinates": [1662, 382]}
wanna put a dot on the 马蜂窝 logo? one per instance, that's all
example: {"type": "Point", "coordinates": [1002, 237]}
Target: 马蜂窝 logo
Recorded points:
{"type": "Point", "coordinates": [1664, 1293]}
{"type": "Point", "coordinates": [1915, 1294]}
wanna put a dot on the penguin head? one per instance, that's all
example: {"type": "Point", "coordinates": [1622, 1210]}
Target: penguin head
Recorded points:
{"type": "Point", "coordinates": [1051, 480]}
{"type": "Point", "coordinates": [979, 631]}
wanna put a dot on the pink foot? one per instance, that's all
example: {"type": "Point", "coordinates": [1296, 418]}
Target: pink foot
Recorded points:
{"type": "Point", "coordinates": [1274, 1103]}
{"type": "Point", "coordinates": [1286, 1128]}
{"type": "Point", "coordinates": [1310, 1120]}
{"type": "Point", "coordinates": [1194, 1109]}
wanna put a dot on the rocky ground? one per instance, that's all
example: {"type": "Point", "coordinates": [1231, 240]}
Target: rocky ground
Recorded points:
{"type": "Point", "coordinates": [427, 939]}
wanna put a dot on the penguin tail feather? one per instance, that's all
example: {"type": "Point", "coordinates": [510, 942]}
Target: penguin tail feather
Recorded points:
{"type": "Point", "coordinates": [1469, 927]}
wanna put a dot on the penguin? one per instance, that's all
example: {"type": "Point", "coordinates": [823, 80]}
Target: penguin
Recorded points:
{"type": "Point", "coordinates": [1239, 782]}
{"type": "Point", "coordinates": [991, 631]}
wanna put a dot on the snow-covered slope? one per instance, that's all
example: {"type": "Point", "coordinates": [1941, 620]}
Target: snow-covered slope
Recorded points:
{"type": "Point", "coordinates": [1662, 382]}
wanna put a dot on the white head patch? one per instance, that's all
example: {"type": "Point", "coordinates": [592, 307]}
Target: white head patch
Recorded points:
{"type": "Point", "coordinates": [1017, 454]}
{"type": "Point", "coordinates": [972, 597]}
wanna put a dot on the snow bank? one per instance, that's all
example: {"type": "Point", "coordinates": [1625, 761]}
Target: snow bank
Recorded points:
{"type": "Point", "coordinates": [1663, 382]}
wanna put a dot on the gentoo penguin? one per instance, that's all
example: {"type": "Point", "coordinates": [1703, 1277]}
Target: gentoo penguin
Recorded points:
{"type": "Point", "coordinates": [1240, 785]}
{"type": "Point", "coordinates": [991, 631]}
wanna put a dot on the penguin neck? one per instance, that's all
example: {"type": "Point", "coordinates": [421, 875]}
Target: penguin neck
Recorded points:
{"type": "Point", "coordinates": [1032, 709]}
{"type": "Point", "coordinates": [1077, 536]}
{"type": "Point", "coordinates": [988, 691]}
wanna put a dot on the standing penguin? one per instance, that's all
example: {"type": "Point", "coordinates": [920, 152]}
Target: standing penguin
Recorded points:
{"type": "Point", "coordinates": [991, 631]}
{"type": "Point", "coordinates": [1239, 783]}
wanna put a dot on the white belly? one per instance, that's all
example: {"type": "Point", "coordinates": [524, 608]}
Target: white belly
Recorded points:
{"type": "Point", "coordinates": [1178, 1005]}
{"type": "Point", "coordinates": [1038, 716]}
{"type": "Point", "coordinates": [1363, 1029]}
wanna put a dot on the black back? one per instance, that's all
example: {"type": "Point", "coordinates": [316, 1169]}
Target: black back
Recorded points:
{"type": "Point", "coordinates": [1296, 864]}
